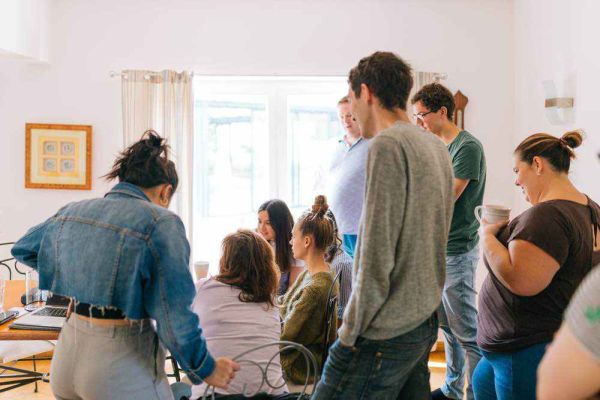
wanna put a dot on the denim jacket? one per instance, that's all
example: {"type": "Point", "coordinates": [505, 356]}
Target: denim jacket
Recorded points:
{"type": "Point", "coordinates": [123, 251]}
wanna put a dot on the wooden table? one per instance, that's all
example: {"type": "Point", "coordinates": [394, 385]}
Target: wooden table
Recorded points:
{"type": "Point", "coordinates": [12, 298]}
{"type": "Point", "coordinates": [20, 377]}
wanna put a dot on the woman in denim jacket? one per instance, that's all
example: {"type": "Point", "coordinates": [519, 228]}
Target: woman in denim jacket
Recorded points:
{"type": "Point", "coordinates": [123, 259]}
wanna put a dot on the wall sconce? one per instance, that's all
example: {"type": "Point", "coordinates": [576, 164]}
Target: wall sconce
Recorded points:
{"type": "Point", "coordinates": [560, 102]}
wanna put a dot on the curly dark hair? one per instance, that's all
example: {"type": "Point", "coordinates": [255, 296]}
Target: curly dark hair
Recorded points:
{"type": "Point", "coordinates": [145, 163]}
{"type": "Point", "coordinates": [387, 76]}
{"type": "Point", "coordinates": [435, 96]}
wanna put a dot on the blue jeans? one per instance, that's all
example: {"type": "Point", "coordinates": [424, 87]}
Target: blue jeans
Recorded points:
{"type": "Point", "coordinates": [458, 321]}
{"type": "Point", "coordinates": [380, 369]}
{"type": "Point", "coordinates": [349, 244]}
{"type": "Point", "coordinates": [508, 376]}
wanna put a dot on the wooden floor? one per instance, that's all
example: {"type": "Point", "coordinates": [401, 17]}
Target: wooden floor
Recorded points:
{"type": "Point", "coordinates": [437, 366]}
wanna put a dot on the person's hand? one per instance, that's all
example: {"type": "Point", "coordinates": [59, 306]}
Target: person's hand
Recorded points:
{"type": "Point", "coordinates": [223, 374]}
{"type": "Point", "coordinates": [491, 229]}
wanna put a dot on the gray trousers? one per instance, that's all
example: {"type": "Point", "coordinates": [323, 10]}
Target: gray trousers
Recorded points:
{"type": "Point", "coordinates": [94, 362]}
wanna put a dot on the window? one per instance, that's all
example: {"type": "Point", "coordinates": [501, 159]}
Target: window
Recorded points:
{"type": "Point", "coordinates": [258, 139]}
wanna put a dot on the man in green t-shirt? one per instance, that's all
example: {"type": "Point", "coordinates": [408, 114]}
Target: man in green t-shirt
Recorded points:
{"type": "Point", "coordinates": [433, 107]}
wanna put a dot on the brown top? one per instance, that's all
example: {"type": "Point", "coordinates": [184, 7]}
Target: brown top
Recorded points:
{"type": "Point", "coordinates": [564, 229]}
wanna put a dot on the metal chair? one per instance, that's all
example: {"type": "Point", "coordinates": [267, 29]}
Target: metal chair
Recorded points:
{"type": "Point", "coordinates": [5, 263]}
{"type": "Point", "coordinates": [19, 377]}
{"type": "Point", "coordinates": [330, 320]}
{"type": "Point", "coordinates": [282, 346]}
{"type": "Point", "coordinates": [176, 371]}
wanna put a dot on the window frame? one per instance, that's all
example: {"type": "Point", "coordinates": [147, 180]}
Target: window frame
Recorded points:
{"type": "Point", "coordinates": [280, 147]}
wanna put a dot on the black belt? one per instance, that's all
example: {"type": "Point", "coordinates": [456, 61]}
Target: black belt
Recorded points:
{"type": "Point", "coordinates": [88, 310]}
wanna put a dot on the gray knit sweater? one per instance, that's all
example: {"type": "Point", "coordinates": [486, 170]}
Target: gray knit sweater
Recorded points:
{"type": "Point", "coordinates": [399, 268]}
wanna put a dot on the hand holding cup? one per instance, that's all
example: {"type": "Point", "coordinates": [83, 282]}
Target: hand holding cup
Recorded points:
{"type": "Point", "coordinates": [492, 218]}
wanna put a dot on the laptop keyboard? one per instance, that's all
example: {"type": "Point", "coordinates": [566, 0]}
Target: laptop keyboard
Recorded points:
{"type": "Point", "coordinates": [51, 312]}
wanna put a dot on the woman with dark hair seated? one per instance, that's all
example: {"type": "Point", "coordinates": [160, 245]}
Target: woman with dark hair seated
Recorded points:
{"type": "Point", "coordinates": [238, 312]}
{"type": "Point", "coordinates": [303, 306]}
{"type": "Point", "coordinates": [124, 259]}
{"type": "Point", "coordinates": [275, 223]}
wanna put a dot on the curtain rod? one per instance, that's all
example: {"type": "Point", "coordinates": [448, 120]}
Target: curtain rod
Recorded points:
{"type": "Point", "coordinates": [112, 74]}
{"type": "Point", "coordinates": [147, 76]}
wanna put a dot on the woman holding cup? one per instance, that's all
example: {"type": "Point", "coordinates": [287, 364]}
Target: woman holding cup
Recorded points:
{"type": "Point", "coordinates": [535, 263]}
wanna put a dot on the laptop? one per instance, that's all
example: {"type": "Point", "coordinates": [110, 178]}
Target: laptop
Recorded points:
{"type": "Point", "coordinates": [47, 318]}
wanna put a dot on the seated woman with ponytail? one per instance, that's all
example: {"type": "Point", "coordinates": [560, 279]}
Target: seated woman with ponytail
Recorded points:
{"type": "Point", "coordinates": [535, 263]}
{"type": "Point", "coordinates": [303, 306]}
{"type": "Point", "coordinates": [124, 259]}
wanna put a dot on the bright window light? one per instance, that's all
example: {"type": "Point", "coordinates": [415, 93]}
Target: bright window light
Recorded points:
{"type": "Point", "coordinates": [258, 138]}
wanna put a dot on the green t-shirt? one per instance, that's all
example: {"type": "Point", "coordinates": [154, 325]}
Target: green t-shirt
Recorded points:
{"type": "Point", "coordinates": [468, 162]}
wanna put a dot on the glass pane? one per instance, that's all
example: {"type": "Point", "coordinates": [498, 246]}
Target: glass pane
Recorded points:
{"type": "Point", "coordinates": [313, 129]}
{"type": "Point", "coordinates": [231, 167]}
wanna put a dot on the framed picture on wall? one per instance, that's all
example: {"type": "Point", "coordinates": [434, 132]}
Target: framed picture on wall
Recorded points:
{"type": "Point", "coordinates": [58, 156]}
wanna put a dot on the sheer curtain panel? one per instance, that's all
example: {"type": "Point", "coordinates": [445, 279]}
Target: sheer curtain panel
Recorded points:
{"type": "Point", "coordinates": [163, 101]}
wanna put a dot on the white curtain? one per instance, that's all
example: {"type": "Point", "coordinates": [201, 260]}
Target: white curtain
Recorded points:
{"type": "Point", "coordinates": [420, 79]}
{"type": "Point", "coordinates": [163, 101]}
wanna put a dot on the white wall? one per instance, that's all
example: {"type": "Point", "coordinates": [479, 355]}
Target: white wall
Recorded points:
{"type": "Point", "coordinates": [553, 42]}
{"type": "Point", "coordinates": [23, 29]}
{"type": "Point", "coordinates": [470, 40]}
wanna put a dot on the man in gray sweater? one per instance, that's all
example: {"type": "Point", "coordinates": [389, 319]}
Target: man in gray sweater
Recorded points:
{"type": "Point", "coordinates": [390, 323]}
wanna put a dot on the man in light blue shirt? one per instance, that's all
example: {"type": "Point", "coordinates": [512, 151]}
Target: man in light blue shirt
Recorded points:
{"type": "Point", "coordinates": [347, 173]}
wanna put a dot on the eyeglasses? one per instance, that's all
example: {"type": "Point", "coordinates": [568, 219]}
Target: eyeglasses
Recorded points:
{"type": "Point", "coordinates": [422, 115]}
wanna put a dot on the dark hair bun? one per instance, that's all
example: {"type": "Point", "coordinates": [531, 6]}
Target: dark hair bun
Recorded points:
{"type": "Point", "coordinates": [155, 145]}
{"type": "Point", "coordinates": [145, 163]}
{"type": "Point", "coordinates": [154, 139]}
{"type": "Point", "coordinates": [573, 138]}
{"type": "Point", "coordinates": [320, 206]}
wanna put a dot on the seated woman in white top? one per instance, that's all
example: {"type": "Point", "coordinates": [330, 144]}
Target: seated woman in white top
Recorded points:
{"type": "Point", "coordinates": [238, 313]}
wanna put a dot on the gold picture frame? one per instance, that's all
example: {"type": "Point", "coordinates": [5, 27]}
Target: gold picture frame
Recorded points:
{"type": "Point", "coordinates": [58, 156]}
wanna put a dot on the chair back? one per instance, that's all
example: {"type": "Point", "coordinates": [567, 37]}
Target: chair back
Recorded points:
{"type": "Point", "coordinates": [282, 346]}
{"type": "Point", "coordinates": [7, 262]}
{"type": "Point", "coordinates": [330, 320]}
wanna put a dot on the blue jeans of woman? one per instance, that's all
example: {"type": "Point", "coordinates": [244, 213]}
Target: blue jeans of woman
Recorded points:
{"type": "Point", "coordinates": [508, 376]}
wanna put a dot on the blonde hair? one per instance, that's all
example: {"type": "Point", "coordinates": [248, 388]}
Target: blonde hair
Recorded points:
{"type": "Point", "coordinates": [344, 100]}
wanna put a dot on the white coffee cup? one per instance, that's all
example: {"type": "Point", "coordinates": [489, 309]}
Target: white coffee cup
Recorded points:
{"type": "Point", "coordinates": [201, 269]}
{"type": "Point", "coordinates": [493, 214]}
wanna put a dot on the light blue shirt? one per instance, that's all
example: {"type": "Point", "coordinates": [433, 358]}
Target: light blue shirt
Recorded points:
{"type": "Point", "coordinates": [346, 183]}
